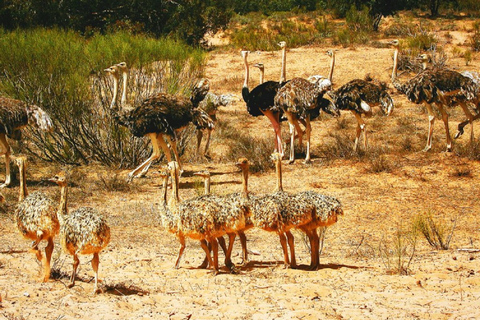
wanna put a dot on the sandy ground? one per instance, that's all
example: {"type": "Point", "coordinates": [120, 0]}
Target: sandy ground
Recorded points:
{"type": "Point", "coordinates": [357, 279]}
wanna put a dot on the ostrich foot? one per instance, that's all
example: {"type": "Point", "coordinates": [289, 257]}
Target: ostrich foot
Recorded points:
{"type": "Point", "coordinates": [427, 148]}
{"type": "Point", "coordinates": [5, 185]}
{"type": "Point", "coordinates": [307, 161]}
{"type": "Point", "coordinates": [458, 134]}
{"type": "Point", "coordinates": [291, 161]}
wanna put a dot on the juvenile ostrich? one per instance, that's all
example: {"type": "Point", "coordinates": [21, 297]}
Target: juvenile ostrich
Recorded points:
{"type": "Point", "coordinates": [210, 105]}
{"type": "Point", "coordinates": [82, 231]}
{"type": "Point", "coordinates": [359, 96]}
{"type": "Point", "coordinates": [205, 174]}
{"type": "Point", "coordinates": [439, 87]}
{"type": "Point", "coordinates": [325, 83]}
{"type": "Point", "coordinates": [280, 212]}
{"type": "Point", "coordinates": [260, 100]}
{"type": "Point", "coordinates": [161, 116]}
{"type": "Point", "coordinates": [299, 99]}
{"type": "Point", "coordinates": [202, 218]}
{"type": "Point", "coordinates": [36, 219]}
{"type": "Point", "coordinates": [15, 115]}
{"type": "Point", "coordinates": [325, 213]}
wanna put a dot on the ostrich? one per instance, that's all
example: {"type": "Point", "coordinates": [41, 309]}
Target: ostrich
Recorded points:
{"type": "Point", "coordinates": [210, 105]}
{"type": "Point", "coordinates": [260, 100]}
{"type": "Point", "coordinates": [36, 218]}
{"type": "Point", "coordinates": [299, 99]}
{"type": "Point", "coordinates": [203, 218]}
{"type": "Point", "coordinates": [161, 116]}
{"type": "Point", "coordinates": [326, 212]}
{"type": "Point", "coordinates": [441, 87]}
{"type": "Point", "coordinates": [15, 115]}
{"type": "Point", "coordinates": [359, 96]}
{"type": "Point", "coordinates": [280, 212]}
{"type": "Point", "coordinates": [82, 231]}
{"type": "Point", "coordinates": [322, 82]}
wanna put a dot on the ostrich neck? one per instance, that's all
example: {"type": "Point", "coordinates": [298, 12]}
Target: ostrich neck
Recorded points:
{"type": "Point", "coordinates": [175, 185]}
{"type": "Point", "coordinates": [425, 65]}
{"type": "Point", "coordinates": [62, 207]}
{"type": "Point", "coordinates": [262, 75]}
{"type": "Point", "coordinates": [124, 92]}
{"type": "Point", "coordinates": [245, 83]}
{"type": "Point", "coordinates": [278, 167]}
{"type": "Point", "coordinates": [164, 195]}
{"type": "Point", "coordinates": [23, 183]}
{"type": "Point", "coordinates": [245, 182]}
{"type": "Point", "coordinates": [115, 92]}
{"type": "Point", "coordinates": [207, 185]}
{"type": "Point", "coordinates": [332, 65]}
{"type": "Point", "coordinates": [283, 73]}
{"type": "Point", "coordinates": [395, 64]}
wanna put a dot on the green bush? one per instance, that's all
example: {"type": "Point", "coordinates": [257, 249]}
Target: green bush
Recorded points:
{"type": "Point", "coordinates": [62, 72]}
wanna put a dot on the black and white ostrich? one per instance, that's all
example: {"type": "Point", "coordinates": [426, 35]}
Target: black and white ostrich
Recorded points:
{"type": "Point", "coordinates": [15, 115]}
{"type": "Point", "coordinates": [260, 100]}
{"type": "Point", "coordinates": [321, 81]}
{"type": "Point", "coordinates": [299, 99]}
{"type": "Point", "coordinates": [359, 96]}
{"type": "Point", "coordinates": [436, 87]}
{"type": "Point", "coordinates": [161, 116]}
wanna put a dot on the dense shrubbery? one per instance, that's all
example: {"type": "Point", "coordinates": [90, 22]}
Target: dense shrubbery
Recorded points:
{"type": "Point", "coordinates": [63, 73]}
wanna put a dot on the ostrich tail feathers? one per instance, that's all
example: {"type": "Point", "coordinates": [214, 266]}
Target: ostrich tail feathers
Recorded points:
{"type": "Point", "coordinates": [202, 120]}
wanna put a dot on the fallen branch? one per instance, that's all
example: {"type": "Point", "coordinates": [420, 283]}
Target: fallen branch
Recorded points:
{"type": "Point", "coordinates": [469, 250]}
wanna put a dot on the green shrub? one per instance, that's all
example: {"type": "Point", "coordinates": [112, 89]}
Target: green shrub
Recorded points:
{"type": "Point", "coordinates": [434, 230]}
{"type": "Point", "coordinates": [397, 254]}
{"type": "Point", "coordinates": [62, 72]}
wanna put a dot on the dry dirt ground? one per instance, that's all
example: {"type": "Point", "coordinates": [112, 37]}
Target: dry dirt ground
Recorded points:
{"type": "Point", "coordinates": [357, 279]}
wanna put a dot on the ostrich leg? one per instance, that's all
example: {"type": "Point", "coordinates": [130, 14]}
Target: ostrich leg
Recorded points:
{"type": "Point", "coordinates": [5, 150]}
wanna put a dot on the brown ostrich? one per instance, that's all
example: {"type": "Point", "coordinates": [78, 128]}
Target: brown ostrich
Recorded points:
{"type": "Point", "coordinates": [161, 116]}
{"type": "Point", "coordinates": [437, 87]}
{"type": "Point", "coordinates": [15, 115]}
{"type": "Point", "coordinates": [359, 96]}
{"type": "Point", "coordinates": [299, 99]}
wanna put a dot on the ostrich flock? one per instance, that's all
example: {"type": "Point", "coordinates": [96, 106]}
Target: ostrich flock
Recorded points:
{"type": "Point", "coordinates": [210, 217]}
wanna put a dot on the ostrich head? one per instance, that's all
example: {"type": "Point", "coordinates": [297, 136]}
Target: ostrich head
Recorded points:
{"type": "Point", "coordinates": [395, 43]}
{"type": "Point", "coordinates": [38, 118]}
{"type": "Point", "coordinates": [259, 66]}
{"type": "Point", "coordinates": [328, 106]}
{"type": "Point", "coordinates": [59, 179]}
{"type": "Point", "coordinates": [244, 53]}
{"type": "Point", "coordinates": [330, 53]}
{"type": "Point", "coordinates": [282, 44]}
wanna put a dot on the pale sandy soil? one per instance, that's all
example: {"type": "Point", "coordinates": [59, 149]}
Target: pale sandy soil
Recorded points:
{"type": "Point", "coordinates": [355, 281]}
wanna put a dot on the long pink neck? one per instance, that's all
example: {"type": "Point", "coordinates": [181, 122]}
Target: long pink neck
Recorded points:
{"type": "Point", "coordinates": [247, 74]}
{"type": "Point", "coordinates": [332, 65]}
{"type": "Point", "coordinates": [395, 64]}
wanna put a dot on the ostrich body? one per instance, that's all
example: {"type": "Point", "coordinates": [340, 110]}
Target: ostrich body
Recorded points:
{"type": "Point", "coordinates": [161, 116]}
{"type": "Point", "coordinates": [36, 219]}
{"type": "Point", "coordinates": [15, 115]}
{"type": "Point", "coordinates": [439, 87]}
{"type": "Point", "coordinates": [299, 99]}
{"type": "Point", "coordinates": [260, 101]}
{"type": "Point", "coordinates": [82, 231]}
{"type": "Point", "coordinates": [359, 96]}
{"type": "Point", "coordinates": [475, 76]}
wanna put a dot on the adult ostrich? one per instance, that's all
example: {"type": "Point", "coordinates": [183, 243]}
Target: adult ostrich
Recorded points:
{"type": "Point", "coordinates": [161, 116]}
{"type": "Point", "coordinates": [15, 115]}
{"type": "Point", "coordinates": [260, 100]}
{"type": "Point", "coordinates": [358, 96]}
{"type": "Point", "coordinates": [436, 87]}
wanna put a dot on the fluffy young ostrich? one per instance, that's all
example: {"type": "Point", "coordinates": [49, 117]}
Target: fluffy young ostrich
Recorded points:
{"type": "Point", "coordinates": [15, 115]}
{"type": "Point", "coordinates": [202, 218]}
{"type": "Point", "coordinates": [436, 87]}
{"type": "Point", "coordinates": [475, 76]}
{"type": "Point", "coordinates": [359, 96]}
{"type": "Point", "coordinates": [280, 212]}
{"type": "Point", "coordinates": [82, 231]}
{"type": "Point", "coordinates": [299, 99]}
{"type": "Point", "coordinates": [260, 100]}
{"type": "Point", "coordinates": [36, 219]}
{"type": "Point", "coordinates": [161, 116]}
